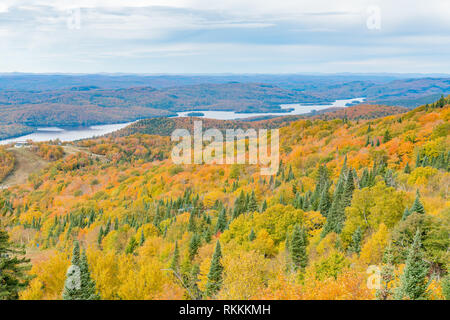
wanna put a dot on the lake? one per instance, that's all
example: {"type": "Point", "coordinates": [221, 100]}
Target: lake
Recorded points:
{"type": "Point", "coordinates": [298, 109]}
{"type": "Point", "coordinates": [72, 134]}
{"type": "Point", "coordinates": [68, 134]}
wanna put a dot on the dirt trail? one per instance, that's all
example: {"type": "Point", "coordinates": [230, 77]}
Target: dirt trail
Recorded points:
{"type": "Point", "coordinates": [26, 163]}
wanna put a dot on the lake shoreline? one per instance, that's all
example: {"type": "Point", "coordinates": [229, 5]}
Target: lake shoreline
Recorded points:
{"type": "Point", "coordinates": [74, 133]}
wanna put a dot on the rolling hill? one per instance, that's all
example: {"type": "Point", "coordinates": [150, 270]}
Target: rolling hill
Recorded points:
{"type": "Point", "coordinates": [349, 195]}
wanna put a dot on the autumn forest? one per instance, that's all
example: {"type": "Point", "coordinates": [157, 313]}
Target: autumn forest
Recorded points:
{"type": "Point", "coordinates": [359, 209]}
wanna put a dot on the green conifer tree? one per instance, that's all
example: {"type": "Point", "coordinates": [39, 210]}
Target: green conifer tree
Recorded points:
{"type": "Point", "coordinates": [387, 136]}
{"type": "Point", "coordinates": [142, 239]}
{"type": "Point", "coordinates": [88, 290]}
{"type": "Point", "coordinates": [407, 169]}
{"type": "Point", "coordinates": [194, 244]}
{"type": "Point", "coordinates": [221, 221]}
{"type": "Point", "coordinates": [72, 286]}
{"type": "Point", "coordinates": [214, 282]}
{"type": "Point", "coordinates": [356, 241]}
{"type": "Point", "coordinates": [191, 224]}
{"type": "Point", "coordinates": [252, 204]}
{"type": "Point", "coordinates": [298, 248]}
{"type": "Point", "coordinates": [413, 282]}
{"type": "Point", "coordinates": [349, 187]}
{"type": "Point", "coordinates": [13, 268]}
{"type": "Point", "coordinates": [264, 206]}
{"type": "Point", "coordinates": [417, 205]}
{"type": "Point", "coordinates": [325, 202]}
{"type": "Point", "coordinates": [175, 263]}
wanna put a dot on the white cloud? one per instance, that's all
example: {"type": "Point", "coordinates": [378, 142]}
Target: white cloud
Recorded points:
{"type": "Point", "coordinates": [220, 36]}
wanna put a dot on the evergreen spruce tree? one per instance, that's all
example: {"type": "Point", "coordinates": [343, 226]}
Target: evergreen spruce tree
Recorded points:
{"type": "Point", "coordinates": [264, 206]}
{"type": "Point", "coordinates": [356, 241]}
{"type": "Point", "coordinates": [364, 179]}
{"type": "Point", "coordinates": [142, 239]}
{"type": "Point", "coordinates": [194, 244]}
{"type": "Point", "coordinates": [413, 282]}
{"type": "Point", "coordinates": [298, 248]}
{"type": "Point", "coordinates": [13, 268]}
{"type": "Point", "coordinates": [418, 160]}
{"type": "Point", "coordinates": [294, 190]}
{"type": "Point", "coordinates": [407, 169]}
{"type": "Point", "coordinates": [88, 290]}
{"type": "Point", "coordinates": [214, 282]}
{"type": "Point", "coordinates": [239, 205]}
{"type": "Point", "coordinates": [157, 218]}
{"type": "Point", "coordinates": [191, 225]}
{"type": "Point", "coordinates": [108, 227]}
{"type": "Point", "coordinates": [252, 204]}
{"type": "Point", "coordinates": [290, 176]}
{"type": "Point", "coordinates": [207, 235]}
{"type": "Point", "coordinates": [325, 202]}
{"type": "Point", "coordinates": [417, 205]}
{"type": "Point", "coordinates": [175, 263]}
{"type": "Point", "coordinates": [387, 136]}
{"type": "Point", "coordinates": [336, 214]}
{"type": "Point", "coordinates": [349, 187]}
{"type": "Point", "coordinates": [72, 286]}
{"type": "Point", "coordinates": [221, 221]}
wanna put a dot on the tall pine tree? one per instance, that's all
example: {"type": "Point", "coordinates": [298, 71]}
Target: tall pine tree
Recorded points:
{"type": "Point", "coordinates": [72, 286]}
{"type": "Point", "coordinates": [298, 248]}
{"type": "Point", "coordinates": [13, 268]}
{"type": "Point", "coordinates": [175, 263]}
{"type": "Point", "coordinates": [221, 221]}
{"type": "Point", "coordinates": [413, 282]}
{"type": "Point", "coordinates": [88, 290]}
{"type": "Point", "coordinates": [214, 282]}
{"type": "Point", "coordinates": [417, 205]}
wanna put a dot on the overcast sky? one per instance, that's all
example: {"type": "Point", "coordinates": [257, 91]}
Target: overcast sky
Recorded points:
{"type": "Point", "coordinates": [224, 36]}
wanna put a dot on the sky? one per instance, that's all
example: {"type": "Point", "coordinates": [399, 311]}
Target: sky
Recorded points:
{"type": "Point", "coordinates": [226, 36]}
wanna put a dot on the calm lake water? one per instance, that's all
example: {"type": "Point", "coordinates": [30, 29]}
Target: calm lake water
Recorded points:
{"type": "Point", "coordinates": [68, 134]}
{"type": "Point", "coordinates": [72, 134]}
{"type": "Point", "coordinates": [298, 108]}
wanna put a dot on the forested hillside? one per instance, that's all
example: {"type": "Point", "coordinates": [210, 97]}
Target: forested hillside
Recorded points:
{"type": "Point", "coordinates": [353, 199]}
{"type": "Point", "coordinates": [6, 163]}
{"type": "Point", "coordinates": [165, 126]}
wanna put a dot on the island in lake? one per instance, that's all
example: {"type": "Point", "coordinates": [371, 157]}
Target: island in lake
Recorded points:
{"type": "Point", "coordinates": [195, 114]}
